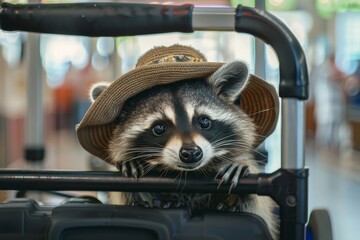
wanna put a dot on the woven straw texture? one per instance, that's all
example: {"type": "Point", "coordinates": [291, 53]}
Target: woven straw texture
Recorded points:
{"type": "Point", "coordinates": [259, 100]}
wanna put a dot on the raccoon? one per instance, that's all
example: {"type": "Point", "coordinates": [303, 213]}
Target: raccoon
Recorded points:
{"type": "Point", "coordinates": [190, 125]}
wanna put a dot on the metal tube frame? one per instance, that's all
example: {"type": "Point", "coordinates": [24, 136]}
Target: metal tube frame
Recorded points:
{"type": "Point", "coordinates": [34, 134]}
{"type": "Point", "coordinates": [289, 183]}
{"type": "Point", "coordinates": [293, 134]}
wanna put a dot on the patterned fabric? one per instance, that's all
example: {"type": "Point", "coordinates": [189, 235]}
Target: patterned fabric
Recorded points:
{"type": "Point", "coordinates": [176, 58]}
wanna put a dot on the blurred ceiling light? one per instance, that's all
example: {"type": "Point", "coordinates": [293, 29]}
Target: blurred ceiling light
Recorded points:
{"type": "Point", "coordinates": [281, 5]}
{"type": "Point", "coordinates": [276, 2]}
{"type": "Point", "coordinates": [180, 2]}
{"type": "Point", "coordinates": [99, 62]}
{"type": "Point", "coordinates": [105, 46]}
{"type": "Point", "coordinates": [326, 8]}
{"type": "Point", "coordinates": [12, 54]}
{"type": "Point", "coordinates": [58, 53]}
{"type": "Point", "coordinates": [347, 41]}
{"type": "Point", "coordinates": [12, 47]}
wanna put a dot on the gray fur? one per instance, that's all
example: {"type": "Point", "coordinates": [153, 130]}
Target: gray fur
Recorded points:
{"type": "Point", "coordinates": [229, 80]}
{"type": "Point", "coordinates": [214, 95]}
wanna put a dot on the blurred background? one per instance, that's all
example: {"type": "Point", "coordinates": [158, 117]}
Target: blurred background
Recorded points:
{"type": "Point", "coordinates": [328, 30]}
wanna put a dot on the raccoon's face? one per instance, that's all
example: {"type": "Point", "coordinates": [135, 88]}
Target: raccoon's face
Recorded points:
{"type": "Point", "coordinates": [188, 125]}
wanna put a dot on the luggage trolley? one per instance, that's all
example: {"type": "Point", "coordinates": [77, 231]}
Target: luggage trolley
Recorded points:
{"type": "Point", "coordinates": [288, 186]}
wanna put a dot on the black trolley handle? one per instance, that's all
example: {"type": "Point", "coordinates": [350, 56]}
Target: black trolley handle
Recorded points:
{"type": "Point", "coordinates": [125, 19]}
{"type": "Point", "coordinates": [96, 19]}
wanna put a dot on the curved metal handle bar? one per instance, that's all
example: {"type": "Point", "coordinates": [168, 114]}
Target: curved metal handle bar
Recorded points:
{"type": "Point", "coordinates": [294, 80]}
{"type": "Point", "coordinates": [120, 19]}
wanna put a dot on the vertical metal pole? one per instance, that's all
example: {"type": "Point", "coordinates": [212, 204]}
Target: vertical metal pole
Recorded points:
{"type": "Point", "coordinates": [260, 58]}
{"type": "Point", "coordinates": [260, 47]}
{"type": "Point", "coordinates": [34, 139]}
{"type": "Point", "coordinates": [3, 144]}
{"type": "Point", "coordinates": [260, 72]}
{"type": "Point", "coordinates": [293, 134]}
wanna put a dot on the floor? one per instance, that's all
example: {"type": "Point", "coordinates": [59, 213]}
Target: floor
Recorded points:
{"type": "Point", "coordinates": [334, 181]}
{"type": "Point", "coordinates": [334, 184]}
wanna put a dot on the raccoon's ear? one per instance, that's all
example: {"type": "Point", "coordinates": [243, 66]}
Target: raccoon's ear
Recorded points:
{"type": "Point", "coordinates": [97, 89]}
{"type": "Point", "coordinates": [229, 80]}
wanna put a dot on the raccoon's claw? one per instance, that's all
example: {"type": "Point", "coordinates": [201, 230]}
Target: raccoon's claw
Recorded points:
{"type": "Point", "coordinates": [131, 169]}
{"type": "Point", "coordinates": [167, 204]}
{"type": "Point", "coordinates": [141, 204]}
{"type": "Point", "coordinates": [231, 172]}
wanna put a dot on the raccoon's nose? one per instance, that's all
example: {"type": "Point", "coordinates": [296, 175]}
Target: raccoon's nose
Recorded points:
{"type": "Point", "coordinates": [190, 154]}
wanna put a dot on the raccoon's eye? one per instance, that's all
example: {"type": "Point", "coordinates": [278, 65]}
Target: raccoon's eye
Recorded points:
{"type": "Point", "coordinates": [204, 122]}
{"type": "Point", "coordinates": [159, 129]}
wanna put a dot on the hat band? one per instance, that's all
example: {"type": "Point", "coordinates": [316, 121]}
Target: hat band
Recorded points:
{"type": "Point", "coordinates": [175, 58]}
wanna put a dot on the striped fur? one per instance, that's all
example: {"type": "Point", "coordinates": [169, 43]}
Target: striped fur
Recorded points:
{"type": "Point", "coordinates": [183, 109]}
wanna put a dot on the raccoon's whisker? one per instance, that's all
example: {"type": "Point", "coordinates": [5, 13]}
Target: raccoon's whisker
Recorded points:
{"type": "Point", "coordinates": [131, 156]}
{"type": "Point", "coordinates": [258, 161]}
{"type": "Point", "coordinates": [130, 151]}
{"type": "Point", "coordinates": [265, 110]}
{"type": "Point", "coordinates": [212, 165]}
{"type": "Point", "coordinates": [250, 148]}
{"type": "Point", "coordinates": [124, 161]}
{"type": "Point", "coordinates": [179, 180]}
{"type": "Point", "coordinates": [144, 153]}
{"type": "Point", "coordinates": [185, 178]}
{"type": "Point", "coordinates": [222, 142]}
{"type": "Point", "coordinates": [236, 143]}
{"type": "Point", "coordinates": [227, 143]}
{"type": "Point", "coordinates": [123, 155]}
{"type": "Point", "coordinates": [140, 152]}
{"type": "Point", "coordinates": [231, 160]}
{"type": "Point", "coordinates": [143, 156]}
{"type": "Point", "coordinates": [171, 151]}
{"type": "Point", "coordinates": [257, 152]}
{"type": "Point", "coordinates": [148, 168]}
{"type": "Point", "coordinates": [145, 148]}
{"type": "Point", "coordinates": [159, 145]}
{"type": "Point", "coordinates": [108, 158]}
{"type": "Point", "coordinates": [163, 171]}
{"type": "Point", "coordinates": [221, 139]}
{"type": "Point", "coordinates": [202, 170]}
{"type": "Point", "coordinates": [152, 157]}
{"type": "Point", "coordinates": [217, 134]}
{"type": "Point", "coordinates": [213, 143]}
{"type": "Point", "coordinates": [259, 136]}
{"type": "Point", "coordinates": [227, 159]}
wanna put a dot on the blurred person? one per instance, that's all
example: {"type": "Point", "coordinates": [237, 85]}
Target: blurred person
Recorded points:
{"type": "Point", "coordinates": [352, 90]}
{"type": "Point", "coordinates": [329, 103]}
{"type": "Point", "coordinates": [352, 87]}
{"type": "Point", "coordinates": [64, 98]}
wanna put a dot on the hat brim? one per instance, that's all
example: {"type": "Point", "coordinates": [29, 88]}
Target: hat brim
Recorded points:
{"type": "Point", "coordinates": [259, 100]}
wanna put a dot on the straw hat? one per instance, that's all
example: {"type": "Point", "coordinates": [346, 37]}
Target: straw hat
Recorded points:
{"type": "Point", "coordinates": [164, 65]}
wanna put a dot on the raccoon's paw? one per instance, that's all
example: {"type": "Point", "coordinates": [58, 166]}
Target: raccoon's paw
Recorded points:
{"type": "Point", "coordinates": [231, 172]}
{"type": "Point", "coordinates": [131, 169]}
